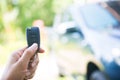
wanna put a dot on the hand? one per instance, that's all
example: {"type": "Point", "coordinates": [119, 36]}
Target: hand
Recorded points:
{"type": "Point", "coordinates": [32, 66]}
{"type": "Point", "coordinates": [19, 66]}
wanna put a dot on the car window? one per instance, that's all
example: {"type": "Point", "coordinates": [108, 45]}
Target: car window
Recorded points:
{"type": "Point", "coordinates": [97, 17]}
{"type": "Point", "coordinates": [115, 5]}
{"type": "Point", "coordinates": [66, 16]}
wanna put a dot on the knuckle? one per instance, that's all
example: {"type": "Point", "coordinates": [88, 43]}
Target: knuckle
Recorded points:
{"type": "Point", "coordinates": [14, 53]}
{"type": "Point", "coordinates": [28, 51]}
{"type": "Point", "coordinates": [19, 53]}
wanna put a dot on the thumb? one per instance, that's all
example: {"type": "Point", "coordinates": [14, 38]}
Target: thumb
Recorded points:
{"type": "Point", "coordinates": [28, 53]}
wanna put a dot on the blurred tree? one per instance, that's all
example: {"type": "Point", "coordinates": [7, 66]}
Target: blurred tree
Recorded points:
{"type": "Point", "coordinates": [60, 5]}
{"type": "Point", "coordinates": [18, 14]}
{"type": "Point", "coordinates": [34, 9]}
{"type": "Point", "coordinates": [38, 9]}
{"type": "Point", "coordinates": [6, 20]}
{"type": "Point", "coordinates": [28, 11]}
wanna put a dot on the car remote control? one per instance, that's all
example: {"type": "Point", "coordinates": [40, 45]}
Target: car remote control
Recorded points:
{"type": "Point", "coordinates": [33, 36]}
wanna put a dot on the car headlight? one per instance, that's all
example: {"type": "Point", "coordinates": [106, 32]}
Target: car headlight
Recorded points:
{"type": "Point", "coordinates": [116, 55]}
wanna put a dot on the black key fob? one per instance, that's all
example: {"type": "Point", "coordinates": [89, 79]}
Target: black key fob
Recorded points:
{"type": "Point", "coordinates": [33, 36]}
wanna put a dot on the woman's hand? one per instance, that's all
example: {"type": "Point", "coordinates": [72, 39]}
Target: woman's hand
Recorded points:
{"type": "Point", "coordinates": [20, 66]}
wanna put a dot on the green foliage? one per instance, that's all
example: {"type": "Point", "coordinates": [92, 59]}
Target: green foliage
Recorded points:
{"type": "Point", "coordinates": [34, 9]}
{"type": "Point", "coordinates": [61, 5]}
{"type": "Point", "coordinates": [31, 10]}
{"type": "Point", "coordinates": [1, 24]}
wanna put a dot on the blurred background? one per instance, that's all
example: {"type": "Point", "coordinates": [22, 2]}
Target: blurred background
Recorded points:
{"type": "Point", "coordinates": [61, 60]}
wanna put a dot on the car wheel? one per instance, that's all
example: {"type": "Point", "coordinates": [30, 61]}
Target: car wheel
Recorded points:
{"type": "Point", "coordinates": [98, 75]}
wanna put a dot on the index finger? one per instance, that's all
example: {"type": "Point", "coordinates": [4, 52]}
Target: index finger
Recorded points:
{"type": "Point", "coordinates": [41, 50]}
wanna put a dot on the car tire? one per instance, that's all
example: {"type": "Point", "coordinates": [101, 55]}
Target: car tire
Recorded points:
{"type": "Point", "coordinates": [98, 75]}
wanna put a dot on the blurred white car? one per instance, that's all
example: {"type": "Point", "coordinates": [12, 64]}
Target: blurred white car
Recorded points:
{"type": "Point", "coordinates": [98, 26]}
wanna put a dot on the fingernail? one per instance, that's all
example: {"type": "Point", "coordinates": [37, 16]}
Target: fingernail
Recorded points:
{"type": "Point", "coordinates": [35, 46]}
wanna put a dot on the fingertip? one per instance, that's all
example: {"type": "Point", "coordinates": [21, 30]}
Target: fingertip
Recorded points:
{"type": "Point", "coordinates": [41, 50]}
{"type": "Point", "coordinates": [35, 44]}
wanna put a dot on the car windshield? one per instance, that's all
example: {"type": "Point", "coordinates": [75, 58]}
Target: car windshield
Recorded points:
{"type": "Point", "coordinates": [97, 17]}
